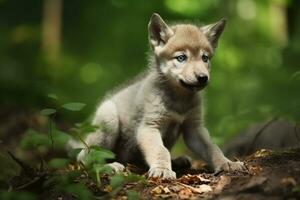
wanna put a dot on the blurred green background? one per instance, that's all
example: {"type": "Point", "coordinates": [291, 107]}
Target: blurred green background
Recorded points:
{"type": "Point", "coordinates": [79, 50]}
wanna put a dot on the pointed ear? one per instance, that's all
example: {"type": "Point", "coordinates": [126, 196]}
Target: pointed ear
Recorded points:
{"type": "Point", "coordinates": [159, 32]}
{"type": "Point", "coordinates": [214, 31]}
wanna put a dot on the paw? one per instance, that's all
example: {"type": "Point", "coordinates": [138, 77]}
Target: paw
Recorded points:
{"type": "Point", "coordinates": [182, 162]}
{"type": "Point", "coordinates": [162, 173]}
{"type": "Point", "coordinates": [230, 166]}
{"type": "Point", "coordinates": [81, 156]}
{"type": "Point", "coordinates": [116, 167]}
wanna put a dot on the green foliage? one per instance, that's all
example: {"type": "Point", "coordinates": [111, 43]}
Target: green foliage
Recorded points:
{"type": "Point", "coordinates": [57, 163]}
{"type": "Point", "coordinates": [17, 195]}
{"type": "Point", "coordinates": [135, 178]}
{"type": "Point", "coordinates": [66, 184]}
{"type": "Point", "coordinates": [94, 161]}
{"type": "Point", "coordinates": [73, 153]}
{"type": "Point", "coordinates": [296, 189]}
{"type": "Point", "coordinates": [296, 75]}
{"type": "Point", "coordinates": [53, 96]}
{"type": "Point", "coordinates": [60, 139]}
{"type": "Point", "coordinates": [97, 155]}
{"type": "Point", "coordinates": [75, 106]}
{"type": "Point", "coordinates": [254, 66]}
{"type": "Point", "coordinates": [79, 191]}
{"type": "Point", "coordinates": [100, 169]}
{"type": "Point", "coordinates": [48, 111]}
{"type": "Point", "coordinates": [81, 129]}
{"type": "Point", "coordinates": [117, 181]}
{"type": "Point", "coordinates": [132, 195]}
{"type": "Point", "coordinates": [33, 140]}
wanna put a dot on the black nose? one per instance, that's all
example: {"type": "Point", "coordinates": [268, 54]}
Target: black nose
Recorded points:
{"type": "Point", "coordinates": [202, 79]}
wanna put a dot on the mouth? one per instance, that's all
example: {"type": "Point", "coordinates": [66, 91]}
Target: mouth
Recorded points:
{"type": "Point", "coordinates": [193, 87]}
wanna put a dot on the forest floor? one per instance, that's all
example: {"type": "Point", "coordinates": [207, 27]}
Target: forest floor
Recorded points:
{"type": "Point", "coordinates": [270, 175]}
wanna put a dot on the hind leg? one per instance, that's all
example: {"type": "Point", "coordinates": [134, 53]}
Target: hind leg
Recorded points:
{"type": "Point", "coordinates": [181, 162]}
{"type": "Point", "coordinates": [108, 121]}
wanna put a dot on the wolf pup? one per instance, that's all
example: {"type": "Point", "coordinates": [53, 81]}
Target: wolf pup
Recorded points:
{"type": "Point", "coordinates": [142, 121]}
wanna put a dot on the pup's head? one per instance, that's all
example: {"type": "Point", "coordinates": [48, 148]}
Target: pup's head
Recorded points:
{"type": "Point", "coordinates": [184, 51]}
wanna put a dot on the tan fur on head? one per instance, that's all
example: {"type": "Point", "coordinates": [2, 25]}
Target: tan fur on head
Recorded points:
{"type": "Point", "coordinates": [186, 37]}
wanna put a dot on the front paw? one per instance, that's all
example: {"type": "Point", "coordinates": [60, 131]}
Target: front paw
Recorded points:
{"type": "Point", "coordinates": [116, 167]}
{"type": "Point", "coordinates": [162, 173]}
{"type": "Point", "coordinates": [230, 166]}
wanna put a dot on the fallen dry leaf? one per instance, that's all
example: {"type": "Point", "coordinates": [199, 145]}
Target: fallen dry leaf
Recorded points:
{"type": "Point", "coordinates": [193, 179]}
{"type": "Point", "coordinates": [160, 190]}
{"type": "Point", "coordinates": [204, 188]}
{"type": "Point", "coordinates": [224, 180]}
{"type": "Point", "coordinates": [157, 190]}
{"type": "Point", "coordinates": [262, 153]}
{"type": "Point", "coordinates": [289, 181]}
{"type": "Point", "coordinates": [176, 188]}
{"type": "Point", "coordinates": [166, 190]}
{"type": "Point", "coordinates": [254, 170]}
{"type": "Point", "coordinates": [199, 189]}
{"type": "Point", "coordinates": [107, 188]}
{"type": "Point", "coordinates": [185, 193]}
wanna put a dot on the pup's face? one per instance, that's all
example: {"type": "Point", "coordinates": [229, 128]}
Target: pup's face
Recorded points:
{"type": "Point", "coordinates": [184, 51]}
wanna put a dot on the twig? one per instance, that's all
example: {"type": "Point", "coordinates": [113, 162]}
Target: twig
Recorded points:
{"type": "Point", "coordinates": [35, 179]}
{"type": "Point", "coordinates": [24, 166]}
{"type": "Point", "coordinates": [81, 140]}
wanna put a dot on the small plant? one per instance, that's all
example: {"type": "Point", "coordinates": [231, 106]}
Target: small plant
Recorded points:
{"type": "Point", "coordinates": [73, 178]}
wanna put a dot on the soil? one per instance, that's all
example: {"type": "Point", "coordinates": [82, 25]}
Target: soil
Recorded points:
{"type": "Point", "coordinates": [270, 175]}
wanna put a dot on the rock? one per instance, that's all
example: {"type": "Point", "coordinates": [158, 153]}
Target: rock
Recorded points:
{"type": "Point", "coordinates": [275, 134]}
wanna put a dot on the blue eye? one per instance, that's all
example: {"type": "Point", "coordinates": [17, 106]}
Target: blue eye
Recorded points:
{"type": "Point", "coordinates": [181, 58]}
{"type": "Point", "coordinates": [205, 58]}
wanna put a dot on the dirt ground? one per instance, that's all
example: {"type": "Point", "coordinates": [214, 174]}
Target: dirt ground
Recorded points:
{"type": "Point", "coordinates": [270, 175]}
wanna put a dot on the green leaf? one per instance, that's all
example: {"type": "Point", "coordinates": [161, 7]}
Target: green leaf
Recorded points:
{"type": "Point", "coordinates": [74, 152]}
{"type": "Point", "coordinates": [116, 181]}
{"type": "Point", "coordinates": [74, 106]}
{"type": "Point", "coordinates": [14, 195]}
{"type": "Point", "coordinates": [295, 75]}
{"type": "Point", "coordinates": [105, 153]}
{"type": "Point", "coordinates": [135, 178]}
{"type": "Point", "coordinates": [103, 169]}
{"type": "Point", "coordinates": [52, 96]}
{"type": "Point", "coordinates": [80, 191]}
{"type": "Point", "coordinates": [86, 127]}
{"type": "Point", "coordinates": [33, 139]}
{"type": "Point", "coordinates": [98, 157]}
{"type": "Point", "coordinates": [60, 139]}
{"type": "Point", "coordinates": [48, 111]}
{"type": "Point", "coordinates": [132, 195]}
{"type": "Point", "coordinates": [57, 163]}
{"type": "Point", "coordinates": [97, 168]}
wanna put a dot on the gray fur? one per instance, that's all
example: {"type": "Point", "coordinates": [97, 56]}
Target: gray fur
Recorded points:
{"type": "Point", "coordinates": [141, 122]}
